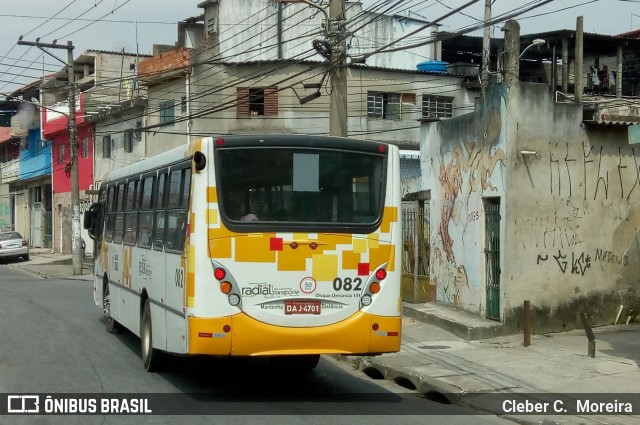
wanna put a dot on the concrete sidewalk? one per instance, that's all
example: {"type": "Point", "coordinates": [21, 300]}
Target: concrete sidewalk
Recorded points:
{"type": "Point", "coordinates": [479, 373]}
{"type": "Point", "coordinates": [53, 266]}
{"type": "Point", "coordinates": [456, 357]}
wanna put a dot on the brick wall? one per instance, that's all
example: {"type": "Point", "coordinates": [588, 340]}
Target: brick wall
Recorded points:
{"type": "Point", "coordinates": [155, 67]}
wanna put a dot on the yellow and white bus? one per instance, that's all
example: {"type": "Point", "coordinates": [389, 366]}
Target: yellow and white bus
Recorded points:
{"type": "Point", "coordinates": [274, 245]}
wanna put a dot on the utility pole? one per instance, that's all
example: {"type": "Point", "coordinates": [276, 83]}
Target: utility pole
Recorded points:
{"type": "Point", "coordinates": [72, 168]}
{"type": "Point", "coordinates": [338, 102]}
{"type": "Point", "coordinates": [512, 45]}
{"type": "Point", "coordinates": [486, 46]}
{"type": "Point", "coordinates": [578, 78]}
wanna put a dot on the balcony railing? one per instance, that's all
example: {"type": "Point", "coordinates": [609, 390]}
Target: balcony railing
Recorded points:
{"type": "Point", "coordinates": [10, 170]}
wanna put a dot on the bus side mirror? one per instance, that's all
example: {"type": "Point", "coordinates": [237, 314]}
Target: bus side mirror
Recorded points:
{"type": "Point", "coordinates": [92, 220]}
{"type": "Point", "coordinates": [88, 219]}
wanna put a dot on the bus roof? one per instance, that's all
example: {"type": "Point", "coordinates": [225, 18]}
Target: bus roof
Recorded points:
{"type": "Point", "coordinates": [284, 140]}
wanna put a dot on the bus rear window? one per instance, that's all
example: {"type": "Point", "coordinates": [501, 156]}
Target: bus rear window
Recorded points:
{"type": "Point", "coordinates": [300, 186]}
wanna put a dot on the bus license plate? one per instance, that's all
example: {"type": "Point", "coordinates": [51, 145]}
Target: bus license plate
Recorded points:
{"type": "Point", "coordinates": [302, 307]}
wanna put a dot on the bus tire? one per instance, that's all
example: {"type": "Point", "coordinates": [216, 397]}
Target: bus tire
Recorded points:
{"type": "Point", "coordinates": [299, 363]}
{"type": "Point", "coordinates": [111, 325]}
{"type": "Point", "coordinates": [151, 357]}
{"type": "Point", "coordinates": [306, 363]}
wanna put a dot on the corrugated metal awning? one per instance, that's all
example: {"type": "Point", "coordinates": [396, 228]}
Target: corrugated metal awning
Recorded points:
{"type": "Point", "coordinates": [407, 154]}
{"type": "Point", "coordinates": [613, 119]}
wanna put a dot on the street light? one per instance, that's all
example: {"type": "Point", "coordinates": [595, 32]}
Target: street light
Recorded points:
{"type": "Point", "coordinates": [535, 42]}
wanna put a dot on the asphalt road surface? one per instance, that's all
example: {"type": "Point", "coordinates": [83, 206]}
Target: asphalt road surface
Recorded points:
{"type": "Point", "coordinates": [53, 341]}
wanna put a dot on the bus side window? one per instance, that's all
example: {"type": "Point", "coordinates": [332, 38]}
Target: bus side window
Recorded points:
{"type": "Point", "coordinates": [119, 213]}
{"type": "Point", "coordinates": [146, 226]}
{"type": "Point", "coordinates": [131, 212]}
{"type": "Point", "coordinates": [110, 216]}
{"type": "Point", "coordinates": [160, 213]}
{"type": "Point", "coordinates": [178, 212]}
{"type": "Point", "coordinates": [176, 229]}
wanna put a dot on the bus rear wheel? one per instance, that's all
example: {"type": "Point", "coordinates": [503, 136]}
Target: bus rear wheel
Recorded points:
{"type": "Point", "coordinates": [306, 362]}
{"type": "Point", "coordinates": [111, 325]}
{"type": "Point", "coordinates": [300, 363]}
{"type": "Point", "coordinates": [151, 357]}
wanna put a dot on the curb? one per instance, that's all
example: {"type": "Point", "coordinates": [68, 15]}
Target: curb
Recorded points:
{"type": "Point", "coordinates": [376, 368]}
{"type": "Point", "coordinates": [431, 388]}
{"type": "Point", "coordinates": [28, 270]}
{"type": "Point", "coordinates": [45, 275]}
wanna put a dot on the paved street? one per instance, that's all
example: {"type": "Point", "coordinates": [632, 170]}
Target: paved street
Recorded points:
{"type": "Point", "coordinates": [53, 341]}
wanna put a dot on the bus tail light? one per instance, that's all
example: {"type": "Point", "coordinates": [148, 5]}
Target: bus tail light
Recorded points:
{"type": "Point", "coordinates": [366, 300]}
{"type": "Point", "coordinates": [374, 288]}
{"type": "Point", "coordinates": [225, 287]}
{"type": "Point", "coordinates": [381, 274]}
{"type": "Point", "coordinates": [220, 273]}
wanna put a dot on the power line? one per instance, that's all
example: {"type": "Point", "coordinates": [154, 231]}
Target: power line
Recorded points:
{"type": "Point", "coordinates": [218, 89]}
{"type": "Point", "coordinates": [72, 20]}
{"type": "Point", "coordinates": [114, 21]}
{"type": "Point", "coordinates": [228, 85]}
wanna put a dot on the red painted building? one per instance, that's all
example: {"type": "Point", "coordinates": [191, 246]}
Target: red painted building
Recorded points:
{"type": "Point", "coordinates": [55, 128]}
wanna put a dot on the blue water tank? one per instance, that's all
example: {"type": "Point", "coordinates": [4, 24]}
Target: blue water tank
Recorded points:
{"type": "Point", "coordinates": [432, 66]}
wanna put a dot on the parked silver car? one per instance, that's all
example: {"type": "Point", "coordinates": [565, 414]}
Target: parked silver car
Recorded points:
{"type": "Point", "coordinates": [12, 244]}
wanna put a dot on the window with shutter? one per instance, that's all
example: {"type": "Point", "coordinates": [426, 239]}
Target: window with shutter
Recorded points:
{"type": "Point", "coordinates": [271, 101]}
{"type": "Point", "coordinates": [243, 102]}
{"type": "Point", "coordinates": [257, 101]}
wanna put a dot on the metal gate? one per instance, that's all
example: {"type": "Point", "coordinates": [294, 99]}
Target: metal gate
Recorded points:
{"type": "Point", "coordinates": [492, 256]}
{"type": "Point", "coordinates": [415, 243]}
{"type": "Point", "coordinates": [36, 225]}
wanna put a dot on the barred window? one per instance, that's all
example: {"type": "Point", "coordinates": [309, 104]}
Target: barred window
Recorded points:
{"type": "Point", "coordinates": [434, 107]}
{"type": "Point", "coordinates": [387, 106]}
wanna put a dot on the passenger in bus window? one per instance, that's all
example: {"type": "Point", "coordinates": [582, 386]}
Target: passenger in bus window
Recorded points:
{"type": "Point", "coordinates": [249, 217]}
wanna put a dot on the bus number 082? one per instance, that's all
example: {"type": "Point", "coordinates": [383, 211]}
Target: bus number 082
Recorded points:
{"type": "Point", "coordinates": [347, 284]}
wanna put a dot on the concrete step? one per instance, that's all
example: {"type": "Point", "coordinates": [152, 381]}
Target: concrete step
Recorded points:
{"type": "Point", "coordinates": [460, 323]}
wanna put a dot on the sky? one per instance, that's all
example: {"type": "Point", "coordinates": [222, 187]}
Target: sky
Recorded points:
{"type": "Point", "coordinates": [136, 25]}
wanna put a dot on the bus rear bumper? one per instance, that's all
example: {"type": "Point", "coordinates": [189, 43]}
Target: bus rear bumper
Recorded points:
{"type": "Point", "coordinates": [359, 334]}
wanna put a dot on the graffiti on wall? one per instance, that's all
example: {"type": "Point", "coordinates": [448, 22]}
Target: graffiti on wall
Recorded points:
{"type": "Point", "coordinates": [609, 257]}
{"type": "Point", "coordinates": [474, 161]}
{"type": "Point", "coordinates": [579, 262]}
{"type": "Point", "coordinates": [587, 183]}
{"type": "Point", "coordinates": [574, 262]}
{"type": "Point", "coordinates": [452, 280]}
{"type": "Point", "coordinates": [468, 170]}
{"type": "Point", "coordinates": [559, 228]}
{"type": "Point", "coordinates": [593, 173]}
